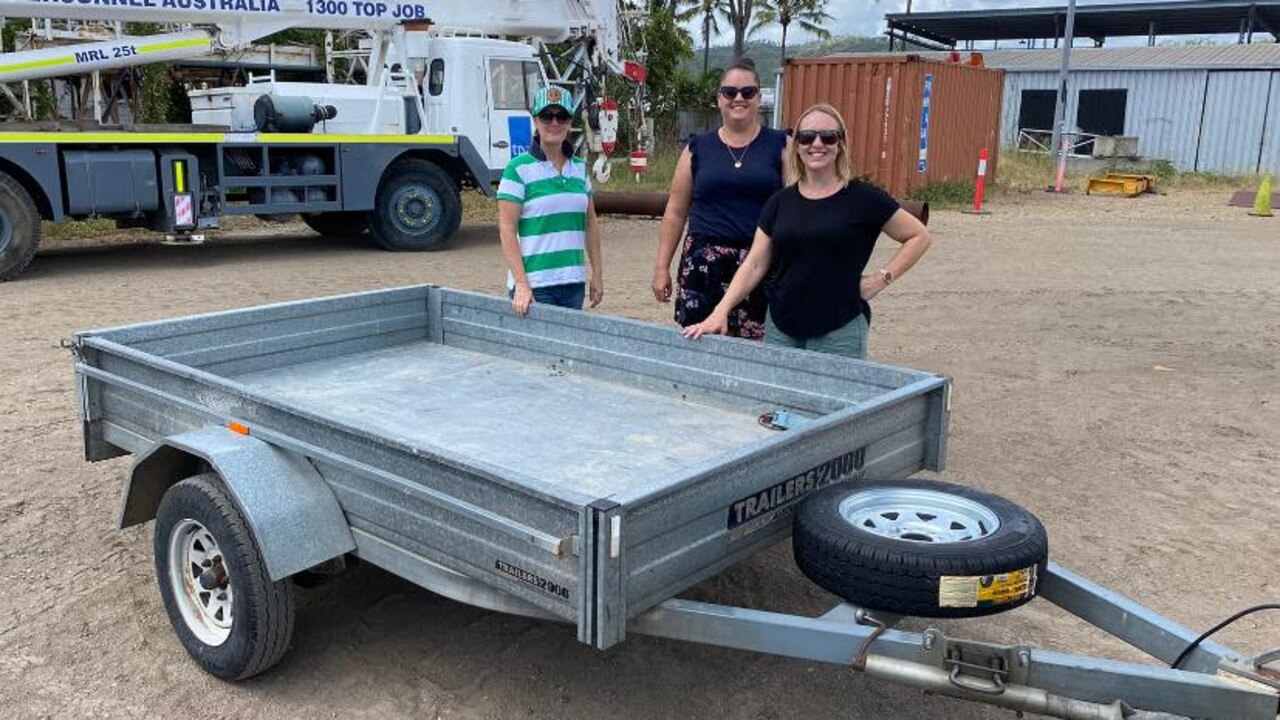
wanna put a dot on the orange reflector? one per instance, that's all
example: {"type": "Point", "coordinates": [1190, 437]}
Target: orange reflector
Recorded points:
{"type": "Point", "coordinates": [238, 428]}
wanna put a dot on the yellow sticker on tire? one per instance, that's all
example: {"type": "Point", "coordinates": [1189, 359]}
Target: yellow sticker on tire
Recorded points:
{"type": "Point", "coordinates": [984, 590]}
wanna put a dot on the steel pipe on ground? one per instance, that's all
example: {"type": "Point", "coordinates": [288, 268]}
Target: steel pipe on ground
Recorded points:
{"type": "Point", "coordinates": [653, 204]}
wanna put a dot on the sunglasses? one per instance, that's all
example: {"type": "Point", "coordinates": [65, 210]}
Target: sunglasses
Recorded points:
{"type": "Point", "coordinates": [829, 137]}
{"type": "Point", "coordinates": [561, 116]}
{"type": "Point", "coordinates": [729, 92]}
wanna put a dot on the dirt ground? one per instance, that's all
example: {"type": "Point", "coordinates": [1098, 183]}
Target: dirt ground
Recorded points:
{"type": "Point", "coordinates": [1115, 366]}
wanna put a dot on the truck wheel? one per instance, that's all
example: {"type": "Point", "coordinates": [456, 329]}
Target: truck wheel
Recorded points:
{"type": "Point", "coordinates": [417, 207]}
{"type": "Point", "coordinates": [19, 228]}
{"type": "Point", "coordinates": [920, 547]}
{"type": "Point", "coordinates": [337, 224]}
{"type": "Point", "coordinates": [231, 618]}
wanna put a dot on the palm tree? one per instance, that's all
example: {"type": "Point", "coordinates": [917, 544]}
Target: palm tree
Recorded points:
{"type": "Point", "coordinates": [810, 15]}
{"type": "Point", "coordinates": [738, 13]}
{"type": "Point", "coordinates": [710, 28]}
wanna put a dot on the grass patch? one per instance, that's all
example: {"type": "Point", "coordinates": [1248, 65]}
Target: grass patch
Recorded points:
{"type": "Point", "coordinates": [1022, 172]}
{"type": "Point", "coordinates": [662, 167]}
{"type": "Point", "coordinates": [478, 209]}
{"type": "Point", "coordinates": [1207, 181]}
{"type": "Point", "coordinates": [949, 194]}
{"type": "Point", "coordinates": [78, 229]}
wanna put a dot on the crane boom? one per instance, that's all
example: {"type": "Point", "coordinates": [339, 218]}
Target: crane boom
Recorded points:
{"type": "Point", "coordinates": [226, 25]}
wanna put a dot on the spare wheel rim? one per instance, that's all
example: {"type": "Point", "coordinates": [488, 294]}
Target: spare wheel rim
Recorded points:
{"type": "Point", "coordinates": [918, 515]}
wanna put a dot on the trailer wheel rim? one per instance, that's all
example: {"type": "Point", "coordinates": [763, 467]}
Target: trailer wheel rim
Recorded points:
{"type": "Point", "coordinates": [193, 552]}
{"type": "Point", "coordinates": [415, 209]}
{"type": "Point", "coordinates": [919, 516]}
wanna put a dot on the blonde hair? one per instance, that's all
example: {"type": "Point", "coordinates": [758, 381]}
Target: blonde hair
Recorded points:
{"type": "Point", "coordinates": [794, 169]}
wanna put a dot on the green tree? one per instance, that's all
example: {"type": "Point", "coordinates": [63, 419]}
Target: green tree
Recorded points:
{"type": "Point", "coordinates": [707, 10]}
{"type": "Point", "coordinates": [664, 43]}
{"type": "Point", "coordinates": [810, 15]}
{"type": "Point", "coordinates": [738, 14]}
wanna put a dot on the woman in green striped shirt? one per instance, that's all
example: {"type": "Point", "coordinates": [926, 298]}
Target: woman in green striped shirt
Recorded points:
{"type": "Point", "coordinates": [546, 216]}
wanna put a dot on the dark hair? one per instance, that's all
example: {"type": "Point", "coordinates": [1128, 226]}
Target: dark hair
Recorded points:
{"type": "Point", "coordinates": [743, 63]}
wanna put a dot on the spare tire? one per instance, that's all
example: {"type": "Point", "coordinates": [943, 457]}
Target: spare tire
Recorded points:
{"type": "Point", "coordinates": [920, 547]}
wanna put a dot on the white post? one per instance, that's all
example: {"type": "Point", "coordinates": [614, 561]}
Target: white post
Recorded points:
{"type": "Point", "coordinates": [1060, 101]}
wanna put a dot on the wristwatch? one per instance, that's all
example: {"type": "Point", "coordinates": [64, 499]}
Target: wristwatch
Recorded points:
{"type": "Point", "coordinates": [888, 276]}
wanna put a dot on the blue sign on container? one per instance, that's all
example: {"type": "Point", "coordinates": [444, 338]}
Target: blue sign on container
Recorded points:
{"type": "Point", "coordinates": [923, 164]}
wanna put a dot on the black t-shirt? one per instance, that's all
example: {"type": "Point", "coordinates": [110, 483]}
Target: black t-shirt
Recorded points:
{"type": "Point", "coordinates": [820, 249]}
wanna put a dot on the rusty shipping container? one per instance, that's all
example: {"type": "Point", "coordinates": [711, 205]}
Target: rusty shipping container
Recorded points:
{"type": "Point", "coordinates": [883, 101]}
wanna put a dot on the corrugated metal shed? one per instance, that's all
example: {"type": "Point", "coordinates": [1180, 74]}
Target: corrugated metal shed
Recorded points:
{"type": "Point", "coordinates": [1271, 135]}
{"type": "Point", "coordinates": [1235, 115]}
{"type": "Point", "coordinates": [1161, 57]}
{"type": "Point", "coordinates": [1207, 108]}
{"type": "Point", "coordinates": [1164, 107]}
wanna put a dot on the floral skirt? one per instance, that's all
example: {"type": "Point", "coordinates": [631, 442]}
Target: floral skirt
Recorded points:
{"type": "Point", "coordinates": [705, 273]}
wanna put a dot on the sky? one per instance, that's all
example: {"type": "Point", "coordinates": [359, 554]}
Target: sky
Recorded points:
{"type": "Point", "coordinates": [866, 17]}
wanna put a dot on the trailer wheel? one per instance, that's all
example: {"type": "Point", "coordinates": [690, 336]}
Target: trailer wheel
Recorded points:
{"type": "Point", "coordinates": [19, 228]}
{"type": "Point", "coordinates": [417, 207]}
{"type": "Point", "coordinates": [337, 224]}
{"type": "Point", "coordinates": [231, 618]}
{"type": "Point", "coordinates": [920, 547]}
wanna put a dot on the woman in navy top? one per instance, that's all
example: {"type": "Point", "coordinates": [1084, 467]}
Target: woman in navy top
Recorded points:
{"type": "Point", "coordinates": [722, 181]}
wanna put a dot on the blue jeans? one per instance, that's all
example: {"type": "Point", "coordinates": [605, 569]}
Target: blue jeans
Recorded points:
{"type": "Point", "coordinates": [569, 295]}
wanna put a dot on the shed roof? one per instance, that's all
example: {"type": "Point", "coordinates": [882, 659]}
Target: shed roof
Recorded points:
{"type": "Point", "coordinates": [1186, 17]}
{"type": "Point", "coordinates": [1258, 56]}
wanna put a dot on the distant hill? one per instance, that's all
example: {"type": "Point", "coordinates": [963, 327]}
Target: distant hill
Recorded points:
{"type": "Point", "coordinates": [768, 55]}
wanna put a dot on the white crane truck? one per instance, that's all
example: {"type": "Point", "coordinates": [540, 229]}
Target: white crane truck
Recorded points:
{"type": "Point", "coordinates": [445, 105]}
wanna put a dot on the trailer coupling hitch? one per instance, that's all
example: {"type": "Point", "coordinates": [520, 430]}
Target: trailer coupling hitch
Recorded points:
{"type": "Point", "coordinates": [988, 673]}
{"type": "Point", "coordinates": [1255, 670]}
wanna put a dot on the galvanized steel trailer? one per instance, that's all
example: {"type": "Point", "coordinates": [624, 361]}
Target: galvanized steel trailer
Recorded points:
{"type": "Point", "coordinates": [404, 188]}
{"type": "Point", "coordinates": [564, 465]}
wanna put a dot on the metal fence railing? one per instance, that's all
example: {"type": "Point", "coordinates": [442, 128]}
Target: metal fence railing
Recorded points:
{"type": "Point", "coordinates": [1035, 140]}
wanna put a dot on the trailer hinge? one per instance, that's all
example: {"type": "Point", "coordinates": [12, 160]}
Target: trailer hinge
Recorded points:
{"type": "Point", "coordinates": [977, 666]}
{"type": "Point", "coordinates": [571, 545]}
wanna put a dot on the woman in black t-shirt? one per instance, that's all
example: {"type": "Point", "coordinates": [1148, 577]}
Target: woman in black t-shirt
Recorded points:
{"type": "Point", "coordinates": [814, 240]}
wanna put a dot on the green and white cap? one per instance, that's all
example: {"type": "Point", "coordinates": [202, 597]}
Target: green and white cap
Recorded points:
{"type": "Point", "coordinates": [552, 95]}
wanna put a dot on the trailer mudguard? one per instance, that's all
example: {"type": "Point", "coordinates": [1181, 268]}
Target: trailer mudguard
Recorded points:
{"type": "Point", "coordinates": [295, 518]}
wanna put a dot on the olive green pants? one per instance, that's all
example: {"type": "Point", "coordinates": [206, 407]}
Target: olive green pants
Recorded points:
{"type": "Point", "coordinates": [849, 339]}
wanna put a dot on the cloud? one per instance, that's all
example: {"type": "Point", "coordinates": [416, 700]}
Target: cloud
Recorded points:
{"type": "Point", "coordinates": [860, 17]}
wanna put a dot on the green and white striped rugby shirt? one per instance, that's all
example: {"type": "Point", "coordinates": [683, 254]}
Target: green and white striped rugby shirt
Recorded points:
{"type": "Point", "coordinates": [553, 217]}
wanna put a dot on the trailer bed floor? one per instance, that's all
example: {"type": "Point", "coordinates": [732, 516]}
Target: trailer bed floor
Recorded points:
{"type": "Point", "coordinates": [514, 414]}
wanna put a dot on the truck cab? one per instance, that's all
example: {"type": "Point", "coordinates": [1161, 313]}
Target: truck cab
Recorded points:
{"type": "Point", "coordinates": [482, 89]}
{"type": "Point", "coordinates": [473, 87]}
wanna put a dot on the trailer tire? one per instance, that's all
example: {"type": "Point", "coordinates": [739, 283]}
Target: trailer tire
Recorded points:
{"type": "Point", "coordinates": [19, 228]}
{"type": "Point", "coordinates": [946, 561]}
{"type": "Point", "coordinates": [243, 624]}
{"type": "Point", "coordinates": [337, 224]}
{"type": "Point", "coordinates": [417, 207]}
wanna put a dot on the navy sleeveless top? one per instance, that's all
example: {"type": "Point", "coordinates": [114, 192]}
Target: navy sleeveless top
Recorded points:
{"type": "Point", "coordinates": [727, 200]}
